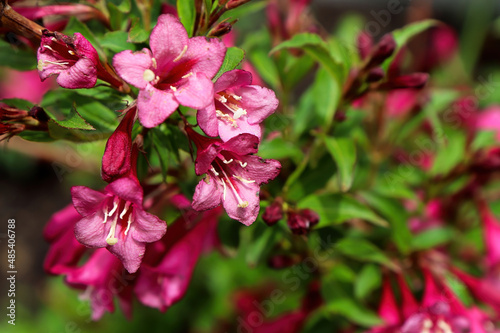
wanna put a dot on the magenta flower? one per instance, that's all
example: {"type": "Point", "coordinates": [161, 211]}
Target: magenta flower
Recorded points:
{"type": "Point", "coordinates": [103, 278]}
{"type": "Point", "coordinates": [74, 59]}
{"type": "Point", "coordinates": [116, 219]}
{"type": "Point", "coordinates": [165, 275]}
{"type": "Point", "coordinates": [233, 175]}
{"type": "Point", "coordinates": [489, 120]}
{"type": "Point", "coordinates": [238, 106]}
{"type": "Point", "coordinates": [65, 251]}
{"type": "Point", "coordinates": [176, 71]}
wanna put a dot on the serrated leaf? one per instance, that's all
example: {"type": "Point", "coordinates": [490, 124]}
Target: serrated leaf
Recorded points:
{"type": "Point", "coordinates": [343, 151]}
{"type": "Point", "coordinates": [187, 14]}
{"type": "Point", "coordinates": [234, 56]}
{"type": "Point", "coordinates": [362, 250]}
{"type": "Point", "coordinates": [72, 121]}
{"type": "Point", "coordinates": [18, 103]}
{"type": "Point", "coordinates": [339, 208]}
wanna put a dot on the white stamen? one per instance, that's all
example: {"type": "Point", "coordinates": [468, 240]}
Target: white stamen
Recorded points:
{"type": "Point", "coordinates": [42, 63]}
{"type": "Point", "coordinates": [444, 326]}
{"type": "Point", "coordinates": [111, 239]}
{"type": "Point", "coordinates": [129, 222]}
{"type": "Point", "coordinates": [227, 162]}
{"type": "Point", "coordinates": [213, 170]}
{"type": "Point", "coordinates": [105, 215]}
{"type": "Point", "coordinates": [153, 61]}
{"type": "Point", "coordinates": [116, 201]}
{"type": "Point", "coordinates": [173, 88]}
{"type": "Point", "coordinates": [226, 117]}
{"type": "Point", "coordinates": [236, 97]}
{"type": "Point", "coordinates": [48, 47]}
{"type": "Point", "coordinates": [148, 75]}
{"type": "Point", "coordinates": [124, 211]}
{"type": "Point", "coordinates": [224, 192]}
{"type": "Point", "coordinates": [239, 112]}
{"type": "Point", "coordinates": [242, 164]}
{"type": "Point", "coordinates": [71, 52]}
{"type": "Point", "coordinates": [241, 203]}
{"type": "Point", "coordinates": [222, 99]}
{"type": "Point", "coordinates": [244, 180]}
{"type": "Point", "coordinates": [181, 54]}
{"type": "Point", "coordinates": [187, 75]}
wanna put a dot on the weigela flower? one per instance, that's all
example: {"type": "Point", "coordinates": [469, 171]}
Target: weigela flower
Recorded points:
{"type": "Point", "coordinates": [74, 59]}
{"type": "Point", "coordinates": [103, 277]}
{"type": "Point", "coordinates": [176, 71]}
{"type": "Point", "coordinates": [116, 219]}
{"type": "Point", "coordinates": [238, 106]}
{"type": "Point", "coordinates": [233, 175]}
{"type": "Point", "coordinates": [167, 269]}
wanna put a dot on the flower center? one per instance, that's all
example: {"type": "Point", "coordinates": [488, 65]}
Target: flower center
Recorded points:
{"type": "Point", "coordinates": [232, 103]}
{"type": "Point", "coordinates": [111, 238]}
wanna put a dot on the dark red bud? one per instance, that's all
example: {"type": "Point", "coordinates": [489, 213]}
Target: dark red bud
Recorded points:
{"type": "Point", "coordinates": [273, 213]}
{"type": "Point", "coordinates": [415, 80]}
{"type": "Point", "coordinates": [310, 215]}
{"type": "Point", "coordinates": [375, 74]}
{"type": "Point", "coordinates": [364, 44]}
{"type": "Point", "coordinates": [221, 29]}
{"type": "Point", "coordinates": [117, 161]}
{"type": "Point", "coordinates": [236, 3]}
{"type": "Point", "coordinates": [281, 261]}
{"type": "Point", "coordinates": [383, 50]}
{"type": "Point", "coordinates": [39, 114]}
{"type": "Point", "coordinates": [298, 224]}
{"type": "Point", "coordinates": [8, 113]}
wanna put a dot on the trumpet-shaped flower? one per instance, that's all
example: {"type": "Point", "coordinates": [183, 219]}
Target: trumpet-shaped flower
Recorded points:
{"type": "Point", "coordinates": [176, 71]}
{"type": "Point", "coordinates": [116, 219]}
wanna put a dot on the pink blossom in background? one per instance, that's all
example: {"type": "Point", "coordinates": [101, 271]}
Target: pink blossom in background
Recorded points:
{"type": "Point", "coordinates": [32, 88]}
{"type": "Point", "coordinates": [176, 71]}
{"type": "Point", "coordinates": [489, 120]}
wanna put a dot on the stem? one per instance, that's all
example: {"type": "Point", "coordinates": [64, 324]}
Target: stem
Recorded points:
{"type": "Point", "coordinates": [19, 24]}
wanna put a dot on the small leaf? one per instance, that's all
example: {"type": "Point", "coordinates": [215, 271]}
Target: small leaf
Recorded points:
{"type": "Point", "coordinates": [353, 312]}
{"type": "Point", "coordinates": [326, 96]}
{"type": "Point", "coordinates": [280, 149]}
{"type": "Point", "coordinates": [431, 238]}
{"type": "Point", "coordinates": [368, 280]}
{"type": "Point", "coordinates": [137, 34]}
{"type": "Point", "coordinates": [339, 208]}
{"type": "Point", "coordinates": [233, 58]}
{"type": "Point", "coordinates": [116, 41]}
{"type": "Point", "coordinates": [73, 121]}
{"type": "Point", "coordinates": [343, 151]}
{"type": "Point", "coordinates": [362, 250]}
{"type": "Point", "coordinates": [18, 103]}
{"type": "Point", "coordinates": [187, 14]}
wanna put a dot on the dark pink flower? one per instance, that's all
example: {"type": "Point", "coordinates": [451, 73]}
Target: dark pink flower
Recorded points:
{"type": "Point", "coordinates": [117, 159]}
{"type": "Point", "coordinates": [73, 59]}
{"type": "Point", "coordinates": [165, 275]}
{"type": "Point", "coordinates": [116, 219]}
{"type": "Point", "coordinates": [103, 277]}
{"type": "Point", "coordinates": [238, 106]}
{"type": "Point", "coordinates": [273, 212]}
{"type": "Point", "coordinates": [33, 89]}
{"type": "Point", "coordinates": [233, 175]}
{"type": "Point", "coordinates": [401, 101]}
{"type": "Point", "coordinates": [176, 71]}
{"type": "Point", "coordinates": [65, 251]}
{"type": "Point", "coordinates": [489, 120]}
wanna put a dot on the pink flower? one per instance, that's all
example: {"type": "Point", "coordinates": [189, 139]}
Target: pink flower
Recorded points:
{"type": "Point", "coordinates": [65, 251]}
{"type": "Point", "coordinates": [176, 71]}
{"type": "Point", "coordinates": [73, 59]}
{"type": "Point", "coordinates": [489, 120]}
{"type": "Point", "coordinates": [238, 106]}
{"type": "Point", "coordinates": [116, 219]}
{"type": "Point", "coordinates": [103, 278]}
{"type": "Point", "coordinates": [233, 175]}
{"type": "Point", "coordinates": [165, 275]}
{"type": "Point", "coordinates": [401, 102]}
{"type": "Point", "coordinates": [117, 159]}
{"type": "Point", "coordinates": [33, 90]}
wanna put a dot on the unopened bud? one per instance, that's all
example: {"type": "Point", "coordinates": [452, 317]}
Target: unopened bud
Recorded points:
{"type": "Point", "coordinates": [383, 50]}
{"type": "Point", "coordinates": [375, 74]}
{"type": "Point", "coordinates": [364, 44]}
{"type": "Point", "coordinates": [235, 3]}
{"type": "Point", "coordinates": [221, 29]}
{"type": "Point", "coordinates": [39, 114]}
{"type": "Point", "coordinates": [281, 261]}
{"type": "Point", "coordinates": [298, 224]}
{"type": "Point", "coordinates": [415, 80]}
{"type": "Point", "coordinates": [310, 215]}
{"type": "Point", "coordinates": [273, 213]}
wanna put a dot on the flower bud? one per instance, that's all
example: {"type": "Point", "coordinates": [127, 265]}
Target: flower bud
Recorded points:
{"type": "Point", "coordinates": [375, 74]}
{"type": "Point", "coordinates": [221, 29]}
{"type": "Point", "coordinates": [273, 213]}
{"type": "Point", "coordinates": [415, 80]}
{"type": "Point", "coordinates": [235, 3]}
{"type": "Point", "coordinates": [311, 216]}
{"type": "Point", "coordinates": [383, 50]}
{"type": "Point", "coordinates": [298, 224]}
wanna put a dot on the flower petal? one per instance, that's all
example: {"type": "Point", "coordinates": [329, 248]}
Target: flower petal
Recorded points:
{"type": "Point", "coordinates": [207, 120]}
{"type": "Point", "coordinates": [242, 144]}
{"type": "Point", "coordinates": [259, 102]}
{"type": "Point", "coordinates": [260, 170]}
{"type": "Point", "coordinates": [128, 250]}
{"type": "Point", "coordinates": [91, 231]}
{"type": "Point", "coordinates": [247, 192]}
{"type": "Point", "coordinates": [131, 66]}
{"type": "Point", "coordinates": [155, 106]}
{"type": "Point", "coordinates": [206, 55]}
{"type": "Point", "coordinates": [227, 131]}
{"type": "Point", "coordinates": [148, 227]}
{"type": "Point", "coordinates": [207, 195]}
{"type": "Point", "coordinates": [196, 92]}
{"type": "Point", "coordinates": [168, 40]}
{"type": "Point", "coordinates": [86, 200]}
{"type": "Point", "coordinates": [127, 188]}
{"type": "Point", "coordinates": [232, 79]}
{"type": "Point", "coordinates": [83, 74]}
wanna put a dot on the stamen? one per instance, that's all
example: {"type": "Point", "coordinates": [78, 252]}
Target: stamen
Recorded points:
{"type": "Point", "coordinates": [105, 215]}
{"type": "Point", "coordinates": [225, 188]}
{"type": "Point", "coordinates": [222, 99]}
{"type": "Point", "coordinates": [111, 239]}
{"type": "Point", "coordinates": [227, 118]}
{"type": "Point", "coordinates": [215, 172]}
{"type": "Point", "coordinates": [244, 180]}
{"type": "Point", "coordinates": [129, 222]}
{"type": "Point", "coordinates": [148, 75]}
{"type": "Point", "coordinates": [187, 75]}
{"type": "Point", "coordinates": [242, 164]}
{"type": "Point", "coordinates": [116, 201]}
{"type": "Point", "coordinates": [241, 203]}
{"type": "Point", "coordinates": [236, 97]}
{"type": "Point", "coordinates": [173, 88]}
{"type": "Point", "coordinates": [48, 47]}
{"type": "Point", "coordinates": [227, 162]}
{"type": "Point", "coordinates": [181, 54]}
{"type": "Point", "coordinates": [124, 211]}
{"type": "Point", "coordinates": [239, 112]}
{"type": "Point", "coordinates": [71, 52]}
{"type": "Point", "coordinates": [42, 63]}
{"type": "Point", "coordinates": [155, 64]}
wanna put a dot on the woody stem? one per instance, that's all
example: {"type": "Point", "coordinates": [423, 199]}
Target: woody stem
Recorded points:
{"type": "Point", "coordinates": [19, 24]}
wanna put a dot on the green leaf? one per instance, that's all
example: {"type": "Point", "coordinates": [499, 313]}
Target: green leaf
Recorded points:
{"type": "Point", "coordinates": [233, 58]}
{"type": "Point", "coordinates": [368, 280]}
{"type": "Point", "coordinates": [354, 312]}
{"type": "Point", "coordinates": [261, 245]}
{"type": "Point", "coordinates": [16, 58]}
{"type": "Point", "coordinates": [36, 136]}
{"type": "Point", "coordinates": [187, 14]}
{"type": "Point", "coordinates": [280, 149]}
{"type": "Point", "coordinates": [116, 41]}
{"type": "Point", "coordinates": [326, 97]}
{"type": "Point", "coordinates": [339, 208]}
{"type": "Point", "coordinates": [319, 50]}
{"type": "Point", "coordinates": [18, 103]}
{"type": "Point", "coordinates": [72, 121]}
{"type": "Point", "coordinates": [431, 238]}
{"type": "Point", "coordinates": [450, 156]}
{"type": "Point", "coordinates": [403, 35]}
{"type": "Point", "coordinates": [266, 67]}
{"type": "Point", "coordinates": [362, 250]}
{"type": "Point", "coordinates": [159, 140]}
{"type": "Point", "coordinates": [483, 139]}
{"type": "Point", "coordinates": [343, 151]}
{"type": "Point", "coordinates": [137, 34]}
